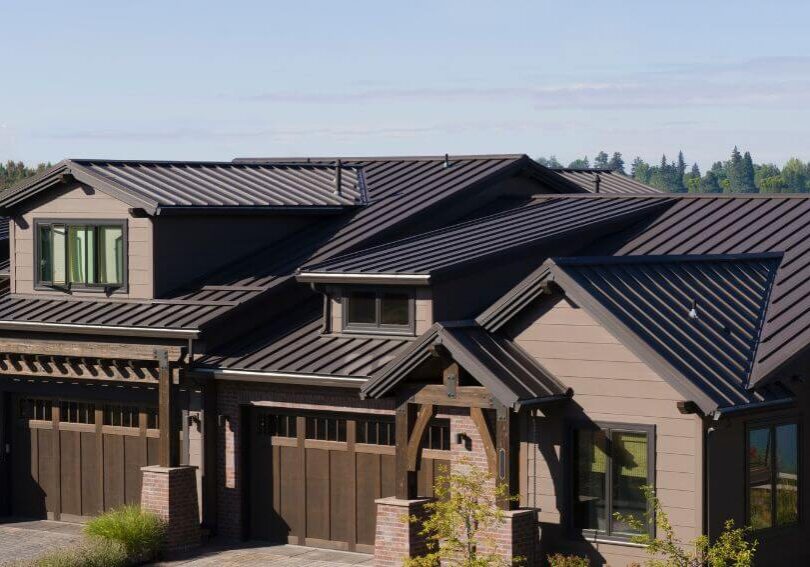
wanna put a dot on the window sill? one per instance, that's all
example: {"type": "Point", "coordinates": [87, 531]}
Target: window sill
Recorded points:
{"type": "Point", "coordinates": [607, 540]}
{"type": "Point", "coordinates": [120, 290]}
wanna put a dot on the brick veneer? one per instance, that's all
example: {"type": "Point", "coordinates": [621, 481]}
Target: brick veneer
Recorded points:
{"type": "Point", "coordinates": [396, 538]}
{"type": "Point", "coordinates": [171, 493]}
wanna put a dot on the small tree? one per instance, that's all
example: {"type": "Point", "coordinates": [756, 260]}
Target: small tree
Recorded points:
{"type": "Point", "coordinates": [458, 520]}
{"type": "Point", "coordinates": [733, 548]}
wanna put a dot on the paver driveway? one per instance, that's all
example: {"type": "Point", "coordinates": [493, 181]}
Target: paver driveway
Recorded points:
{"type": "Point", "coordinates": [25, 540]}
{"type": "Point", "coordinates": [253, 553]}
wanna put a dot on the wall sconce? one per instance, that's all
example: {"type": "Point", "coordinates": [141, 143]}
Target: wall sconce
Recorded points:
{"type": "Point", "coordinates": [464, 439]}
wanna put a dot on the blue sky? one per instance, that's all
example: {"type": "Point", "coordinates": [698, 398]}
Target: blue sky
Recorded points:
{"type": "Point", "coordinates": [215, 80]}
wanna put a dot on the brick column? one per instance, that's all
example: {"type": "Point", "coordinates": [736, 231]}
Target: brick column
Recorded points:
{"type": "Point", "coordinates": [396, 538]}
{"type": "Point", "coordinates": [518, 536]}
{"type": "Point", "coordinates": [171, 493]}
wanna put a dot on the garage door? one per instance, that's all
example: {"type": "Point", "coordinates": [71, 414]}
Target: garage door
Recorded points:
{"type": "Point", "coordinates": [74, 459]}
{"type": "Point", "coordinates": [313, 478]}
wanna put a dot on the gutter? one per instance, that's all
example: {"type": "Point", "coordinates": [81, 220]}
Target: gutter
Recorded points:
{"type": "Point", "coordinates": [752, 407]}
{"type": "Point", "coordinates": [546, 400]}
{"type": "Point", "coordinates": [99, 329]}
{"type": "Point", "coordinates": [363, 278]}
{"type": "Point", "coordinates": [282, 377]}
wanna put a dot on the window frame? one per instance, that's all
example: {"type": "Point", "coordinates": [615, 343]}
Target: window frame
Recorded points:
{"type": "Point", "coordinates": [771, 424]}
{"type": "Point", "coordinates": [608, 428]}
{"type": "Point", "coordinates": [378, 327]}
{"type": "Point", "coordinates": [40, 285]}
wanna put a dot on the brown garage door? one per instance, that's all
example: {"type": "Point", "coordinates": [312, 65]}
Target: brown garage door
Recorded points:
{"type": "Point", "coordinates": [74, 459]}
{"type": "Point", "coordinates": [317, 475]}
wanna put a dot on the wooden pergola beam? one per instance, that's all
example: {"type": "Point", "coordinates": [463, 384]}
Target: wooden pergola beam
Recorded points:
{"type": "Point", "coordinates": [81, 349]}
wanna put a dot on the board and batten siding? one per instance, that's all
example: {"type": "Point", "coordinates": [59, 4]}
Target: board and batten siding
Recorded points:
{"type": "Point", "coordinates": [611, 384]}
{"type": "Point", "coordinates": [82, 203]}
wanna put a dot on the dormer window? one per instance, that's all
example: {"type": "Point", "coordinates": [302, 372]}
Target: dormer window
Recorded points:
{"type": "Point", "coordinates": [80, 254]}
{"type": "Point", "coordinates": [378, 311]}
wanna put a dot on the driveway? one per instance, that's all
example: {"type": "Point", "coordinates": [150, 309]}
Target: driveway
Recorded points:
{"type": "Point", "coordinates": [255, 553]}
{"type": "Point", "coordinates": [25, 540]}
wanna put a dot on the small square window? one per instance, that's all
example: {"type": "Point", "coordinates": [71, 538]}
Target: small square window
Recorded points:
{"type": "Point", "coordinates": [362, 308]}
{"type": "Point", "coordinates": [394, 309]}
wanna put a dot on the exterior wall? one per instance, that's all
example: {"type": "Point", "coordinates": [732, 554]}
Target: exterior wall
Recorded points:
{"type": "Point", "coordinates": [610, 384]}
{"type": "Point", "coordinates": [423, 308]}
{"type": "Point", "coordinates": [81, 202]}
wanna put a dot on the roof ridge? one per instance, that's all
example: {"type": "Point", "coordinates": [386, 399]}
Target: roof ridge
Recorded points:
{"type": "Point", "coordinates": [309, 159]}
{"type": "Point", "coordinates": [662, 258]}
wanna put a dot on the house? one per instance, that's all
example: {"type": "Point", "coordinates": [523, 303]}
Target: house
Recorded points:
{"type": "Point", "coordinates": [291, 349]}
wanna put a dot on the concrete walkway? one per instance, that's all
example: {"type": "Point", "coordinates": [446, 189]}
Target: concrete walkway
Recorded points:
{"type": "Point", "coordinates": [257, 553]}
{"type": "Point", "coordinates": [26, 540]}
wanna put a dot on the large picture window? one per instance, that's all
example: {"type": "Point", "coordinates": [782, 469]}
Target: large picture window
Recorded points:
{"type": "Point", "coordinates": [81, 254]}
{"type": "Point", "coordinates": [773, 475]}
{"type": "Point", "coordinates": [378, 311]}
{"type": "Point", "coordinates": [612, 464]}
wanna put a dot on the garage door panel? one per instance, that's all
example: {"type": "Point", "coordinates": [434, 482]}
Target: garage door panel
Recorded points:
{"type": "Point", "coordinates": [47, 468]}
{"type": "Point", "coordinates": [291, 494]}
{"type": "Point", "coordinates": [92, 481]}
{"type": "Point", "coordinates": [317, 496]}
{"type": "Point", "coordinates": [341, 495]}
{"type": "Point", "coordinates": [113, 471]}
{"type": "Point", "coordinates": [70, 469]}
{"type": "Point", "coordinates": [133, 461]}
{"type": "Point", "coordinates": [368, 490]}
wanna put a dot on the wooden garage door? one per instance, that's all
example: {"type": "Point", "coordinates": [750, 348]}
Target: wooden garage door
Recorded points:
{"type": "Point", "coordinates": [318, 475]}
{"type": "Point", "coordinates": [74, 459]}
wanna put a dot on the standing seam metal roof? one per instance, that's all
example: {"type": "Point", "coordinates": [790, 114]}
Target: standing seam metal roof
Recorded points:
{"type": "Point", "coordinates": [610, 182]}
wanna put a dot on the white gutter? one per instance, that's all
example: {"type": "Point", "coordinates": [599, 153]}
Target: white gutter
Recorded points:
{"type": "Point", "coordinates": [95, 329]}
{"type": "Point", "coordinates": [329, 277]}
{"type": "Point", "coordinates": [283, 377]}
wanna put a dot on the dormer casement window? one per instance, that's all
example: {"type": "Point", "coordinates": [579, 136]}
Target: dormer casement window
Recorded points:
{"type": "Point", "coordinates": [378, 311]}
{"type": "Point", "coordinates": [80, 254]}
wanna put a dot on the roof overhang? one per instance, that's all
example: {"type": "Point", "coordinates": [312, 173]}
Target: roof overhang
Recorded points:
{"type": "Point", "coordinates": [112, 330]}
{"type": "Point", "coordinates": [361, 278]}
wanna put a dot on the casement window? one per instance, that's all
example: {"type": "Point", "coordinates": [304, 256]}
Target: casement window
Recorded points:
{"type": "Point", "coordinates": [611, 465]}
{"type": "Point", "coordinates": [773, 475]}
{"type": "Point", "coordinates": [378, 311]}
{"type": "Point", "coordinates": [79, 254]}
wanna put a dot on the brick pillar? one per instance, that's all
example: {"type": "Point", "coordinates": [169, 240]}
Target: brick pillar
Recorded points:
{"type": "Point", "coordinates": [171, 493]}
{"type": "Point", "coordinates": [518, 536]}
{"type": "Point", "coordinates": [396, 538]}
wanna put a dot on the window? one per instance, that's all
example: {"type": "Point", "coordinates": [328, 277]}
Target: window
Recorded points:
{"type": "Point", "coordinates": [773, 475]}
{"type": "Point", "coordinates": [326, 428]}
{"type": "Point", "coordinates": [77, 412]}
{"type": "Point", "coordinates": [122, 416]}
{"type": "Point", "coordinates": [83, 255]}
{"type": "Point", "coordinates": [276, 425]}
{"type": "Point", "coordinates": [39, 410]}
{"type": "Point", "coordinates": [611, 465]}
{"type": "Point", "coordinates": [437, 435]}
{"type": "Point", "coordinates": [378, 311]}
{"type": "Point", "coordinates": [375, 432]}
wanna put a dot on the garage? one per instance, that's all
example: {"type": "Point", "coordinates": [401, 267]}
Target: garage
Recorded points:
{"type": "Point", "coordinates": [71, 459]}
{"type": "Point", "coordinates": [313, 477]}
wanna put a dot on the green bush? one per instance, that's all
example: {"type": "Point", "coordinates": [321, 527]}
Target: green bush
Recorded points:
{"type": "Point", "coordinates": [96, 552]}
{"type": "Point", "coordinates": [141, 533]}
{"type": "Point", "coordinates": [560, 560]}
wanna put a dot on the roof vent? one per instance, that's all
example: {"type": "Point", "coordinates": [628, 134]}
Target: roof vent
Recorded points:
{"type": "Point", "coordinates": [597, 181]}
{"type": "Point", "coordinates": [446, 161]}
{"type": "Point", "coordinates": [693, 314]}
{"type": "Point", "coordinates": [338, 177]}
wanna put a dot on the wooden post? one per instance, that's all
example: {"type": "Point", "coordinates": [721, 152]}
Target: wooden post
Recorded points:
{"type": "Point", "coordinates": [451, 378]}
{"type": "Point", "coordinates": [506, 452]}
{"type": "Point", "coordinates": [168, 443]}
{"type": "Point", "coordinates": [209, 456]}
{"type": "Point", "coordinates": [405, 479]}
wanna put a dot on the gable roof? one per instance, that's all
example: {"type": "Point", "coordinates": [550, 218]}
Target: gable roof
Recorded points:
{"type": "Point", "coordinates": [398, 191]}
{"type": "Point", "coordinates": [512, 376]}
{"type": "Point", "coordinates": [170, 186]}
{"type": "Point", "coordinates": [647, 301]}
{"type": "Point", "coordinates": [608, 180]}
{"type": "Point", "coordinates": [543, 221]}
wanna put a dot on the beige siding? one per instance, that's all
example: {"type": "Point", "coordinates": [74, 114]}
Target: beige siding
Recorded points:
{"type": "Point", "coordinates": [82, 203]}
{"type": "Point", "coordinates": [611, 384]}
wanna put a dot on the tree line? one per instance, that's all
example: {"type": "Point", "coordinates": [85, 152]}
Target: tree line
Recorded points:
{"type": "Point", "coordinates": [738, 174]}
{"type": "Point", "coordinates": [11, 172]}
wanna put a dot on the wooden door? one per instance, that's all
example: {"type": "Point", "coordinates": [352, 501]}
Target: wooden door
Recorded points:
{"type": "Point", "coordinates": [314, 477]}
{"type": "Point", "coordinates": [72, 460]}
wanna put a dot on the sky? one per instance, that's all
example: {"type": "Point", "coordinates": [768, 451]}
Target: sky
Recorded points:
{"type": "Point", "coordinates": [217, 80]}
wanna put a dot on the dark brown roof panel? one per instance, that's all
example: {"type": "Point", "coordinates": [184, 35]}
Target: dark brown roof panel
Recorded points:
{"type": "Point", "coordinates": [609, 182]}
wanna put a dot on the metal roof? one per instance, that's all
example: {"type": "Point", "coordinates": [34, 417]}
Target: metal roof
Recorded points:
{"type": "Point", "coordinates": [543, 221]}
{"type": "Point", "coordinates": [4, 228]}
{"type": "Point", "coordinates": [505, 369]}
{"type": "Point", "coordinates": [608, 180]}
{"type": "Point", "coordinates": [743, 225]}
{"type": "Point", "coordinates": [164, 186]}
{"type": "Point", "coordinates": [301, 347]}
{"type": "Point", "coordinates": [692, 317]}
{"type": "Point", "coordinates": [398, 189]}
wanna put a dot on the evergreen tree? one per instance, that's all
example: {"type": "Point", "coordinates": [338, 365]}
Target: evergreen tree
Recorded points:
{"type": "Point", "coordinates": [692, 179]}
{"type": "Point", "coordinates": [616, 163]}
{"type": "Point", "coordinates": [680, 171]}
{"type": "Point", "coordinates": [550, 161]}
{"type": "Point", "coordinates": [710, 183]}
{"type": "Point", "coordinates": [580, 163]}
{"type": "Point", "coordinates": [734, 172]}
{"type": "Point", "coordinates": [747, 174]}
{"type": "Point", "coordinates": [640, 170]}
{"type": "Point", "coordinates": [601, 160]}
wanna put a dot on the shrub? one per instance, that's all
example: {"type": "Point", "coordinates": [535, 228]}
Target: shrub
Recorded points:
{"type": "Point", "coordinates": [96, 552]}
{"type": "Point", "coordinates": [560, 560]}
{"type": "Point", "coordinates": [141, 533]}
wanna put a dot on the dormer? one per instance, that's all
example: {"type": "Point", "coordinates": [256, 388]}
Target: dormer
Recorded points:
{"type": "Point", "coordinates": [141, 230]}
{"type": "Point", "coordinates": [378, 310]}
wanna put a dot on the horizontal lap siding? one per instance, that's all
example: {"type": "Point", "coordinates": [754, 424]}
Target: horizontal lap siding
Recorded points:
{"type": "Point", "coordinates": [611, 384]}
{"type": "Point", "coordinates": [77, 204]}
